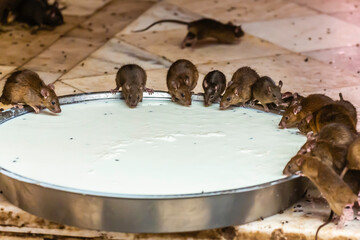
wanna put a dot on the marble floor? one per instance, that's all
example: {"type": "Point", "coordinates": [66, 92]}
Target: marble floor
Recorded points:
{"type": "Point", "coordinates": [311, 45]}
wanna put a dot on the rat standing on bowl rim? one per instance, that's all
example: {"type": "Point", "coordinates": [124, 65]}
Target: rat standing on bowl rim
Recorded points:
{"type": "Point", "coordinates": [205, 28]}
{"type": "Point", "coordinates": [265, 91]}
{"type": "Point", "coordinates": [131, 78]}
{"type": "Point", "coordinates": [26, 87]}
{"type": "Point", "coordinates": [181, 79]}
{"type": "Point", "coordinates": [214, 85]}
{"type": "Point", "coordinates": [239, 88]}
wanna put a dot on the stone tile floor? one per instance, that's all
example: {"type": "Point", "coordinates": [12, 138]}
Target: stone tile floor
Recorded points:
{"type": "Point", "coordinates": [311, 45]}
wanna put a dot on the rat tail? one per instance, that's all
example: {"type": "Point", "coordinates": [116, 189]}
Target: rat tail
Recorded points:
{"type": "Point", "coordinates": [341, 97]}
{"type": "Point", "coordinates": [162, 21]}
{"type": "Point", "coordinates": [324, 224]}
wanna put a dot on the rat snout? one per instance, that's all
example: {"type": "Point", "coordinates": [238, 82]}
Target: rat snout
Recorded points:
{"type": "Point", "coordinates": [282, 125]}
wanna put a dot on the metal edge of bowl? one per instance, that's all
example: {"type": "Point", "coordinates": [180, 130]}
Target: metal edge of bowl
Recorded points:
{"type": "Point", "coordinates": [146, 213]}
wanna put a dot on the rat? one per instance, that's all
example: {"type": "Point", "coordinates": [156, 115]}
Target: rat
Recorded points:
{"type": "Point", "coordinates": [39, 13]}
{"type": "Point", "coordinates": [26, 87]}
{"type": "Point", "coordinates": [349, 106]}
{"type": "Point", "coordinates": [205, 28]}
{"type": "Point", "coordinates": [131, 78]}
{"type": "Point", "coordinates": [300, 109]}
{"type": "Point", "coordinates": [6, 7]}
{"type": "Point", "coordinates": [333, 188]}
{"type": "Point", "coordinates": [239, 88]}
{"type": "Point", "coordinates": [327, 114]}
{"type": "Point", "coordinates": [353, 157]}
{"type": "Point", "coordinates": [181, 79]}
{"type": "Point", "coordinates": [265, 91]}
{"type": "Point", "coordinates": [214, 85]}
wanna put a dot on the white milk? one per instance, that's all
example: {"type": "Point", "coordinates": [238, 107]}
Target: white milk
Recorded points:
{"type": "Point", "coordinates": [158, 148]}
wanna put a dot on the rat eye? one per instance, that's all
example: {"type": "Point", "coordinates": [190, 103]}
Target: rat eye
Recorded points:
{"type": "Point", "coordinates": [211, 97]}
{"type": "Point", "coordinates": [286, 118]}
{"type": "Point", "coordinates": [53, 102]}
{"type": "Point", "coordinates": [274, 96]}
{"type": "Point", "coordinates": [138, 98]}
{"type": "Point", "coordinates": [182, 95]}
{"type": "Point", "coordinates": [289, 167]}
{"type": "Point", "coordinates": [129, 96]}
{"type": "Point", "coordinates": [228, 99]}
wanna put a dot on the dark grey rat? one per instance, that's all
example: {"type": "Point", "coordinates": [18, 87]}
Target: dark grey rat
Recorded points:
{"type": "Point", "coordinates": [214, 85]}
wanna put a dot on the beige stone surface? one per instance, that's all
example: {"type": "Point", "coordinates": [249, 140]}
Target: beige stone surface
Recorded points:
{"type": "Point", "coordinates": [345, 58]}
{"type": "Point", "coordinates": [246, 10]}
{"type": "Point", "coordinates": [293, 41]}
{"type": "Point", "coordinates": [306, 33]}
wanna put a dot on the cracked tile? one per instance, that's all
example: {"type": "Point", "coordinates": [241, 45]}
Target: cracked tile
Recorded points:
{"type": "Point", "coordinates": [302, 34]}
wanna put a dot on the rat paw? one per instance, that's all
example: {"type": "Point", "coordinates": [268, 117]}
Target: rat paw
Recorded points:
{"type": "Point", "coordinates": [149, 90]}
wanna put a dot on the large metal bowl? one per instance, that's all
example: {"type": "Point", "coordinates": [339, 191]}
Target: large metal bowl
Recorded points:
{"type": "Point", "coordinates": [144, 213]}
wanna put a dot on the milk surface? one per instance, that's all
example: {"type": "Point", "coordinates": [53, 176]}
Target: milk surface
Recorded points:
{"type": "Point", "coordinates": [158, 148]}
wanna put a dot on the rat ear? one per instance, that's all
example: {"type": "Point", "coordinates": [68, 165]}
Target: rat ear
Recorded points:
{"type": "Point", "coordinates": [299, 161]}
{"type": "Point", "coordinates": [310, 136]}
{"type": "Point", "coordinates": [236, 91]}
{"type": "Point", "coordinates": [269, 90]}
{"type": "Point", "coordinates": [127, 87]}
{"type": "Point", "coordinates": [216, 87]}
{"type": "Point", "coordinates": [280, 84]}
{"type": "Point", "coordinates": [297, 109]}
{"type": "Point", "coordinates": [229, 83]}
{"type": "Point", "coordinates": [51, 86]}
{"type": "Point", "coordinates": [286, 95]}
{"type": "Point", "coordinates": [56, 4]}
{"type": "Point", "coordinates": [205, 84]}
{"type": "Point", "coordinates": [187, 80]}
{"type": "Point", "coordinates": [308, 118]}
{"type": "Point", "coordinates": [45, 92]}
{"type": "Point", "coordinates": [175, 84]}
{"type": "Point", "coordinates": [237, 29]}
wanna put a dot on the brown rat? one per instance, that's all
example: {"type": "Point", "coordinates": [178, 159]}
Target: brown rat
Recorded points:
{"type": "Point", "coordinates": [239, 88]}
{"type": "Point", "coordinates": [131, 78]}
{"type": "Point", "coordinates": [337, 134]}
{"type": "Point", "coordinates": [265, 91]}
{"type": "Point", "coordinates": [26, 87]}
{"type": "Point", "coordinates": [349, 106]}
{"type": "Point", "coordinates": [301, 108]}
{"type": "Point", "coordinates": [331, 113]}
{"type": "Point", "coordinates": [181, 79]}
{"type": "Point", "coordinates": [214, 85]}
{"type": "Point", "coordinates": [333, 188]}
{"type": "Point", "coordinates": [353, 157]}
{"type": "Point", "coordinates": [205, 28]}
